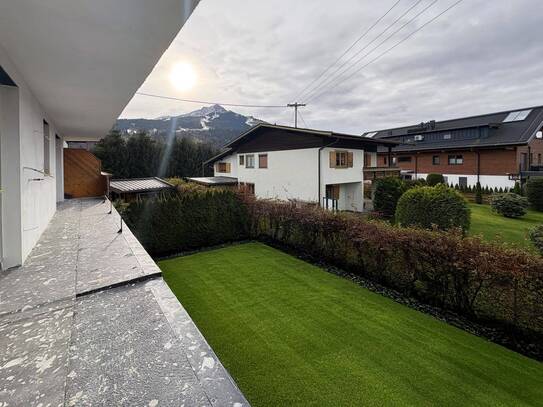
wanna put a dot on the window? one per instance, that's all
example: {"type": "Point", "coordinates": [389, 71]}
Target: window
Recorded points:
{"type": "Point", "coordinates": [241, 160]}
{"type": "Point", "coordinates": [250, 161]}
{"type": "Point", "coordinates": [386, 160]}
{"type": "Point", "coordinates": [463, 181]}
{"type": "Point", "coordinates": [341, 159]}
{"type": "Point", "coordinates": [394, 160]}
{"type": "Point", "coordinates": [435, 160]}
{"type": "Point", "coordinates": [263, 161]}
{"type": "Point", "coordinates": [447, 136]}
{"type": "Point", "coordinates": [539, 159]}
{"type": "Point", "coordinates": [46, 149]}
{"type": "Point", "coordinates": [456, 160]}
{"type": "Point", "coordinates": [404, 159]}
{"type": "Point", "coordinates": [223, 167]}
{"type": "Point", "coordinates": [517, 116]}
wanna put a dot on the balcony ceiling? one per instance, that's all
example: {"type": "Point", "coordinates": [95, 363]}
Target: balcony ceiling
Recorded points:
{"type": "Point", "coordinates": [83, 60]}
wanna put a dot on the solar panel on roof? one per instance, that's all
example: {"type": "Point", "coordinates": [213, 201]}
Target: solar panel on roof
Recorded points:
{"type": "Point", "coordinates": [517, 116]}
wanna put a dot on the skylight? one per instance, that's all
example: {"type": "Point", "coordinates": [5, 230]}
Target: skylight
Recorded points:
{"type": "Point", "coordinates": [517, 116]}
{"type": "Point", "coordinates": [372, 134]}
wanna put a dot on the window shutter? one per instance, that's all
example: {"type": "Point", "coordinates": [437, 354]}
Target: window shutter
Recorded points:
{"type": "Point", "coordinates": [332, 159]}
{"type": "Point", "coordinates": [217, 167]}
{"type": "Point", "coordinates": [227, 167]}
{"type": "Point", "coordinates": [349, 159]}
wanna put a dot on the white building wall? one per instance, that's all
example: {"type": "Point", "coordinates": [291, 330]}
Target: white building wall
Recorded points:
{"type": "Point", "coordinates": [491, 181]}
{"type": "Point", "coordinates": [293, 175]}
{"type": "Point", "coordinates": [37, 193]}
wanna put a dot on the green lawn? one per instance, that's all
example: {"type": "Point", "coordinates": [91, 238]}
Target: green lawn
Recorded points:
{"type": "Point", "coordinates": [496, 227]}
{"type": "Point", "coordinates": [292, 334]}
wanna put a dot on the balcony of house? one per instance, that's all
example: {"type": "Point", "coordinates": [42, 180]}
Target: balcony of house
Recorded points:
{"type": "Point", "coordinates": [372, 173]}
{"type": "Point", "coordinates": [88, 320]}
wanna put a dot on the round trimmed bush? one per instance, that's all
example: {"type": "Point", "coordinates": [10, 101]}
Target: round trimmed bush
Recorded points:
{"type": "Point", "coordinates": [429, 207]}
{"type": "Point", "coordinates": [434, 179]}
{"type": "Point", "coordinates": [386, 194]}
{"type": "Point", "coordinates": [536, 236]}
{"type": "Point", "coordinates": [534, 193]}
{"type": "Point", "coordinates": [509, 205]}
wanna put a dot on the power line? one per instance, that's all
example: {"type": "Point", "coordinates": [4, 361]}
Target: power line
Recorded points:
{"type": "Point", "coordinates": [397, 44]}
{"type": "Point", "coordinates": [303, 121]}
{"type": "Point", "coordinates": [203, 102]}
{"type": "Point", "coordinates": [331, 79]}
{"type": "Point", "coordinates": [347, 50]}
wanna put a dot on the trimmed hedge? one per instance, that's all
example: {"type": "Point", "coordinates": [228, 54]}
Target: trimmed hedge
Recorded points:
{"type": "Point", "coordinates": [534, 193]}
{"type": "Point", "coordinates": [187, 221]}
{"type": "Point", "coordinates": [429, 207]}
{"type": "Point", "coordinates": [483, 280]}
{"type": "Point", "coordinates": [387, 192]}
{"type": "Point", "coordinates": [434, 179]}
{"type": "Point", "coordinates": [509, 205]}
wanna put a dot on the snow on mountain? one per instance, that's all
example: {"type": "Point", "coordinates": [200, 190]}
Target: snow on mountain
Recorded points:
{"type": "Point", "coordinates": [212, 124]}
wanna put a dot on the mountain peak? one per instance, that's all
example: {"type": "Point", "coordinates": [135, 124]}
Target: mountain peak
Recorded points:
{"type": "Point", "coordinates": [206, 110]}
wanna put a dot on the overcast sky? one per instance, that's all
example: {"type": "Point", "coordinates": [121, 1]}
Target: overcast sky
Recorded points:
{"type": "Point", "coordinates": [481, 56]}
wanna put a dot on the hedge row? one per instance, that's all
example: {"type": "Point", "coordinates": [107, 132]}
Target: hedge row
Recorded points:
{"type": "Point", "coordinates": [475, 278]}
{"type": "Point", "coordinates": [187, 221]}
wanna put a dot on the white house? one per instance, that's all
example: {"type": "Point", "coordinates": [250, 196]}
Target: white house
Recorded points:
{"type": "Point", "coordinates": [287, 163]}
{"type": "Point", "coordinates": [67, 70]}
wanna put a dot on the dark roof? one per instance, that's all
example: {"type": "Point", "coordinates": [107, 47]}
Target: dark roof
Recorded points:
{"type": "Point", "coordinates": [482, 131]}
{"type": "Point", "coordinates": [214, 180]}
{"type": "Point", "coordinates": [231, 146]}
{"type": "Point", "coordinates": [153, 184]}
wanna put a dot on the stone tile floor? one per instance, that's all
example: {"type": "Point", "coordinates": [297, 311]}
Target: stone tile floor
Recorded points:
{"type": "Point", "coordinates": [67, 337]}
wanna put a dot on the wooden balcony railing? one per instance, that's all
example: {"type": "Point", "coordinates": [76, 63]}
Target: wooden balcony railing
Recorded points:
{"type": "Point", "coordinates": [380, 172]}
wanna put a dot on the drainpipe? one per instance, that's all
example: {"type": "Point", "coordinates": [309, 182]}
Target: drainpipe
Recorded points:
{"type": "Point", "coordinates": [319, 169]}
{"type": "Point", "coordinates": [478, 166]}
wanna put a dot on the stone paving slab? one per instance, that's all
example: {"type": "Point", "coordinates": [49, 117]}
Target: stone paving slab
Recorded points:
{"type": "Point", "coordinates": [34, 357]}
{"type": "Point", "coordinates": [63, 343]}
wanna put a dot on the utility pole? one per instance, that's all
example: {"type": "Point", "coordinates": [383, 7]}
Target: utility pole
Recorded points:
{"type": "Point", "coordinates": [296, 106]}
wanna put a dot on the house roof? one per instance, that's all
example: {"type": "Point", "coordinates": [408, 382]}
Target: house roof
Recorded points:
{"type": "Point", "coordinates": [133, 185]}
{"type": "Point", "coordinates": [505, 128]}
{"type": "Point", "coordinates": [362, 141]}
{"type": "Point", "coordinates": [214, 180]}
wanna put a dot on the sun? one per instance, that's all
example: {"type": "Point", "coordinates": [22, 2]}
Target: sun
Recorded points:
{"type": "Point", "coordinates": [183, 76]}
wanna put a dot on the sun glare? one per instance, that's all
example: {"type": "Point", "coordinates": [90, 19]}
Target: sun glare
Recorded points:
{"type": "Point", "coordinates": [183, 76]}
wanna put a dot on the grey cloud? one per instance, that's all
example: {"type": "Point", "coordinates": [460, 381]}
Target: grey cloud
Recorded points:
{"type": "Point", "coordinates": [480, 57]}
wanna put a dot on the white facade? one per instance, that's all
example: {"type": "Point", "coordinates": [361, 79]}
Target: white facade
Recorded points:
{"type": "Point", "coordinates": [294, 175]}
{"type": "Point", "coordinates": [75, 66]}
{"type": "Point", "coordinates": [491, 181]}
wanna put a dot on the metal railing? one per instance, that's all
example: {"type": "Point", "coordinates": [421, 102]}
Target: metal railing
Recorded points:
{"type": "Point", "coordinates": [330, 204]}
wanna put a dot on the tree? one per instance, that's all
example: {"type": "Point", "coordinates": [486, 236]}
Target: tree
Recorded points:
{"type": "Point", "coordinates": [478, 193]}
{"type": "Point", "coordinates": [111, 150]}
{"type": "Point", "coordinates": [387, 192]}
{"type": "Point", "coordinates": [141, 156]}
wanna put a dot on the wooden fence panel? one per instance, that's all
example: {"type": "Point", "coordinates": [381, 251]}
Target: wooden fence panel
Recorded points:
{"type": "Point", "coordinates": [82, 174]}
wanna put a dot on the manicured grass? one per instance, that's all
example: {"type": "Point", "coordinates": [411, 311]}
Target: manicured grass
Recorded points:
{"type": "Point", "coordinates": [494, 227]}
{"type": "Point", "coordinates": [292, 334]}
